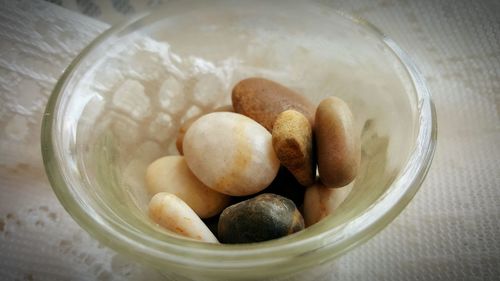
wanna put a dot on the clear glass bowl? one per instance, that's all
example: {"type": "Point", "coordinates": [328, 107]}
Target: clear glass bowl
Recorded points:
{"type": "Point", "coordinates": [119, 104]}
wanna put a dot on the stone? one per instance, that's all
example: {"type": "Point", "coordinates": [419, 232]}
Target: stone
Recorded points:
{"type": "Point", "coordinates": [170, 212]}
{"type": "Point", "coordinates": [171, 174]}
{"type": "Point", "coordinates": [262, 100]}
{"type": "Point", "coordinates": [230, 153]}
{"type": "Point", "coordinates": [337, 144]}
{"type": "Point", "coordinates": [185, 126]}
{"type": "Point", "coordinates": [264, 217]}
{"type": "Point", "coordinates": [293, 145]}
{"type": "Point", "coordinates": [321, 201]}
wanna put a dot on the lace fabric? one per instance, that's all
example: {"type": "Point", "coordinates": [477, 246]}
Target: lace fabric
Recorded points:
{"type": "Point", "coordinates": [38, 239]}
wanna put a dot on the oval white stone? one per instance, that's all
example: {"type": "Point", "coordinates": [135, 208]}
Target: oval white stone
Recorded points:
{"type": "Point", "coordinates": [230, 153]}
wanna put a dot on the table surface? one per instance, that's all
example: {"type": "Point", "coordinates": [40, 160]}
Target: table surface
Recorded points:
{"type": "Point", "coordinates": [450, 230]}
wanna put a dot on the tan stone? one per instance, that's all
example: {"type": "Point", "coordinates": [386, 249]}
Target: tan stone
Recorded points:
{"type": "Point", "coordinates": [321, 201]}
{"type": "Point", "coordinates": [337, 144]}
{"type": "Point", "coordinates": [293, 144]}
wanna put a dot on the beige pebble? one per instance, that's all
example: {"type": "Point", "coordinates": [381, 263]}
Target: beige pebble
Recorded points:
{"type": "Point", "coordinates": [293, 144]}
{"type": "Point", "coordinates": [262, 100]}
{"type": "Point", "coordinates": [171, 174]}
{"type": "Point", "coordinates": [170, 212]}
{"type": "Point", "coordinates": [185, 126]}
{"type": "Point", "coordinates": [230, 153]}
{"type": "Point", "coordinates": [337, 144]}
{"type": "Point", "coordinates": [320, 201]}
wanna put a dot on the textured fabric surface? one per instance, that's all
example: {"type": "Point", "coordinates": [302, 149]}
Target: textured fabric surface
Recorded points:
{"type": "Point", "coordinates": [450, 230]}
{"type": "Point", "coordinates": [38, 239]}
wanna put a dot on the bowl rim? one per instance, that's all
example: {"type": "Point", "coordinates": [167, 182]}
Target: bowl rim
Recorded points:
{"type": "Point", "coordinates": [176, 253]}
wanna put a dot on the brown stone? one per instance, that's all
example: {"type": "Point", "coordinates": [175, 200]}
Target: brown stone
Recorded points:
{"type": "Point", "coordinates": [337, 144]}
{"type": "Point", "coordinates": [262, 100]}
{"type": "Point", "coordinates": [321, 201]}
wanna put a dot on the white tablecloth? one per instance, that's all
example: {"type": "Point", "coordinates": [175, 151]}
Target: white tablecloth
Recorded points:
{"type": "Point", "coordinates": [450, 231]}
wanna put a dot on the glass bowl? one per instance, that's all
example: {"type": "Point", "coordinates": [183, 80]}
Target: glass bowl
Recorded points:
{"type": "Point", "coordinates": [119, 104]}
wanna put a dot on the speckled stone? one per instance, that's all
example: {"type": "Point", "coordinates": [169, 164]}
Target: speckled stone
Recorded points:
{"type": "Point", "coordinates": [293, 144]}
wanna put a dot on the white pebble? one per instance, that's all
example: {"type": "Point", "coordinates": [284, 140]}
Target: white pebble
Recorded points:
{"type": "Point", "coordinates": [171, 174]}
{"type": "Point", "coordinates": [321, 201]}
{"type": "Point", "coordinates": [170, 212]}
{"type": "Point", "coordinates": [230, 153]}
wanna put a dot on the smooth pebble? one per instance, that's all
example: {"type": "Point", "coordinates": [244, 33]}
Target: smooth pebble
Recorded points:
{"type": "Point", "coordinates": [293, 144]}
{"type": "Point", "coordinates": [264, 217]}
{"type": "Point", "coordinates": [320, 201]}
{"type": "Point", "coordinates": [185, 126]}
{"type": "Point", "coordinates": [230, 153]}
{"type": "Point", "coordinates": [337, 144]}
{"type": "Point", "coordinates": [262, 100]}
{"type": "Point", "coordinates": [171, 174]}
{"type": "Point", "coordinates": [170, 212]}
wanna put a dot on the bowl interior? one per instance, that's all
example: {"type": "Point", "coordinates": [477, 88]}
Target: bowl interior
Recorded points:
{"type": "Point", "coordinates": [120, 106]}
